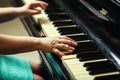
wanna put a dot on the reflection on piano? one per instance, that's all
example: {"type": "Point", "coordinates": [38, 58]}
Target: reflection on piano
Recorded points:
{"type": "Point", "coordinates": [94, 24]}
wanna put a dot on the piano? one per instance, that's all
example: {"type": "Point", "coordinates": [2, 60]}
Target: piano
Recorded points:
{"type": "Point", "coordinates": [94, 24]}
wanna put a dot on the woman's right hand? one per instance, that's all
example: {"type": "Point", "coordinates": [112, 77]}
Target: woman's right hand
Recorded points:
{"type": "Point", "coordinates": [57, 44]}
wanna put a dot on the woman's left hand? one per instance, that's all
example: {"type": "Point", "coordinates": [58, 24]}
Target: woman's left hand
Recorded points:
{"type": "Point", "coordinates": [32, 8]}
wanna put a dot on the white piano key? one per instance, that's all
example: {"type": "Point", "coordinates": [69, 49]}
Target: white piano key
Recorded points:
{"type": "Point", "coordinates": [47, 25]}
{"type": "Point", "coordinates": [77, 69]}
{"type": "Point", "coordinates": [69, 57]}
{"type": "Point", "coordinates": [66, 26]}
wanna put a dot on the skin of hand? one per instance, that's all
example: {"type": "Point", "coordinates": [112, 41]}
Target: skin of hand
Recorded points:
{"type": "Point", "coordinates": [32, 8]}
{"type": "Point", "coordinates": [58, 44]}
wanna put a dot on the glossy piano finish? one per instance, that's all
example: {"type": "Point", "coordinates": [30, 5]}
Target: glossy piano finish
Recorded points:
{"type": "Point", "coordinates": [93, 58]}
{"type": "Point", "coordinates": [89, 23]}
{"type": "Point", "coordinates": [80, 16]}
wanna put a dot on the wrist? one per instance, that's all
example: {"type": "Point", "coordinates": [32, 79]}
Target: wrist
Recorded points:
{"type": "Point", "coordinates": [43, 44]}
{"type": "Point", "coordinates": [19, 11]}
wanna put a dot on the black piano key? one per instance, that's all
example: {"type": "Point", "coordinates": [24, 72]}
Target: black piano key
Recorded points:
{"type": "Point", "coordinates": [69, 30]}
{"type": "Point", "coordinates": [63, 23]}
{"type": "Point", "coordinates": [58, 12]}
{"type": "Point", "coordinates": [84, 47]}
{"type": "Point", "coordinates": [78, 37]}
{"type": "Point", "coordinates": [59, 16]}
{"type": "Point", "coordinates": [90, 56]}
{"type": "Point", "coordinates": [96, 63]}
{"type": "Point", "coordinates": [99, 67]}
{"type": "Point", "coordinates": [109, 77]}
{"type": "Point", "coordinates": [53, 10]}
{"type": "Point", "coordinates": [106, 69]}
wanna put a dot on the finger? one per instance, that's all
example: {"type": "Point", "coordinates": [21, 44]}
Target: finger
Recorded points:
{"type": "Point", "coordinates": [35, 11]}
{"type": "Point", "coordinates": [64, 37]}
{"type": "Point", "coordinates": [57, 52]}
{"type": "Point", "coordinates": [64, 47]}
{"type": "Point", "coordinates": [38, 77]}
{"type": "Point", "coordinates": [40, 4]}
{"type": "Point", "coordinates": [69, 42]}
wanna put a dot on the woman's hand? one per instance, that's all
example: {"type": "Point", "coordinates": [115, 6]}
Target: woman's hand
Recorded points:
{"type": "Point", "coordinates": [57, 44]}
{"type": "Point", "coordinates": [32, 8]}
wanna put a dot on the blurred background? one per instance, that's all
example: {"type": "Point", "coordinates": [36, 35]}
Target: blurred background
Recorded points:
{"type": "Point", "coordinates": [16, 27]}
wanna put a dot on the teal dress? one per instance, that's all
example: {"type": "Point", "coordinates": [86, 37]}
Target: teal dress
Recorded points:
{"type": "Point", "coordinates": [14, 68]}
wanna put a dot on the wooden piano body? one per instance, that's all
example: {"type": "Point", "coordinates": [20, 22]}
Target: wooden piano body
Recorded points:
{"type": "Point", "coordinates": [94, 24]}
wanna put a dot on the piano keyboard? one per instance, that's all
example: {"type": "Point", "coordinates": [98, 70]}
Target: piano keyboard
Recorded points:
{"type": "Point", "coordinates": [86, 62]}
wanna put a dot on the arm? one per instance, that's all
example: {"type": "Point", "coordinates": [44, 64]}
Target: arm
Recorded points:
{"type": "Point", "coordinates": [19, 44]}
{"type": "Point", "coordinates": [8, 13]}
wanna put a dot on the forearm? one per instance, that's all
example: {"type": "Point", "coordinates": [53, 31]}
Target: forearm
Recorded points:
{"type": "Point", "coordinates": [14, 44]}
{"type": "Point", "coordinates": [9, 13]}
{"type": "Point", "coordinates": [19, 44]}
